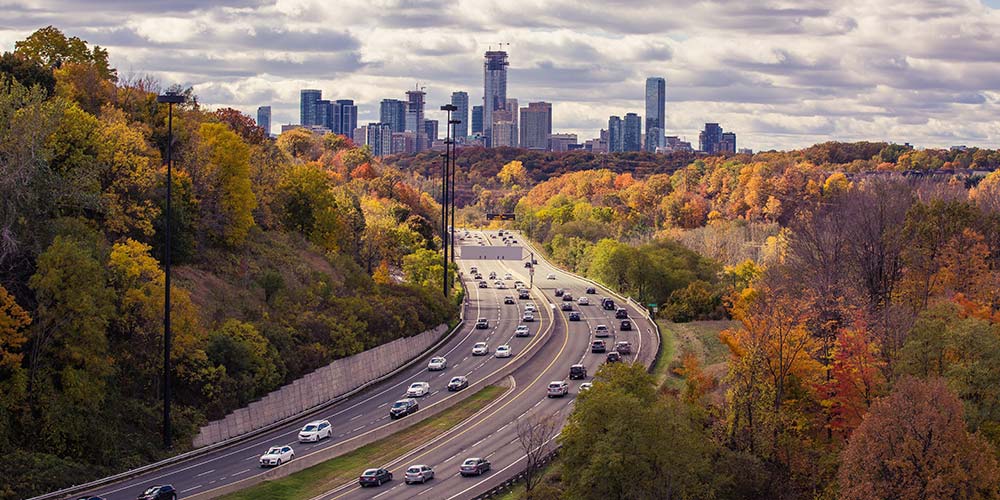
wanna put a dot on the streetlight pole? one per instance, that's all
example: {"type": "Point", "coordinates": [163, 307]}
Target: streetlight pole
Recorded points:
{"type": "Point", "coordinates": [454, 168]}
{"type": "Point", "coordinates": [446, 234]}
{"type": "Point", "coordinates": [170, 99]}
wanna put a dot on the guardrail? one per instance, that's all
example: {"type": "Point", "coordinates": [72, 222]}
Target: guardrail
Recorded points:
{"type": "Point", "coordinates": [75, 490]}
{"type": "Point", "coordinates": [508, 485]}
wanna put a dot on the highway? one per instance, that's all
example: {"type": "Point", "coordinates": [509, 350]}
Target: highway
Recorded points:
{"type": "Point", "coordinates": [554, 344]}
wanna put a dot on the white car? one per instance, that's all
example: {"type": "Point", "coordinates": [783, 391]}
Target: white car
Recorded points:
{"type": "Point", "coordinates": [583, 301]}
{"type": "Point", "coordinates": [503, 351]}
{"type": "Point", "coordinates": [437, 363]}
{"type": "Point", "coordinates": [501, 286]}
{"type": "Point", "coordinates": [522, 331]}
{"type": "Point", "coordinates": [602, 331]}
{"type": "Point", "coordinates": [550, 277]}
{"type": "Point", "coordinates": [314, 431]}
{"type": "Point", "coordinates": [506, 276]}
{"type": "Point", "coordinates": [418, 474]}
{"type": "Point", "coordinates": [558, 389]}
{"type": "Point", "coordinates": [586, 386]}
{"type": "Point", "coordinates": [418, 389]}
{"type": "Point", "coordinates": [276, 456]}
{"type": "Point", "coordinates": [530, 307]}
{"type": "Point", "coordinates": [480, 349]}
{"type": "Point", "coordinates": [528, 317]}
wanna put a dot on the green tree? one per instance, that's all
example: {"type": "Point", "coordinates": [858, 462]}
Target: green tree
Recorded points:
{"type": "Point", "coordinates": [50, 47]}
{"type": "Point", "coordinates": [27, 72]}
{"type": "Point", "coordinates": [248, 359]}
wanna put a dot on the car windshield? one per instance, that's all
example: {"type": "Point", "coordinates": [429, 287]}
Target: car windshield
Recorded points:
{"type": "Point", "coordinates": [151, 490]}
{"type": "Point", "coordinates": [274, 451]}
{"type": "Point", "coordinates": [399, 404]}
{"type": "Point", "coordinates": [310, 427]}
{"type": "Point", "coordinates": [471, 461]}
{"type": "Point", "coordinates": [370, 472]}
{"type": "Point", "coordinates": [481, 344]}
{"type": "Point", "coordinates": [415, 385]}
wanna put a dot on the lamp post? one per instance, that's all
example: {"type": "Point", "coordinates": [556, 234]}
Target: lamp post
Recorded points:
{"type": "Point", "coordinates": [170, 98]}
{"type": "Point", "coordinates": [454, 168]}
{"type": "Point", "coordinates": [446, 234]}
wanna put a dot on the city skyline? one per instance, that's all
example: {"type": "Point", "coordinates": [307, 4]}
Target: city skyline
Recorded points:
{"type": "Point", "coordinates": [782, 77]}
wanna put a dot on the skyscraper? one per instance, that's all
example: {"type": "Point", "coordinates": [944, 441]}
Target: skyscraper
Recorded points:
{"type": "Point", "coordinates": [461, 101]}
{"type": "Point", "coordinates": [709, 139]}
{"type": "Point", "coordinates": [323, 111]}
{"type": "Point", "coordinates": [511, 107]}
{"type": "Point", "coordinates": [344, 117]}
{"type": "Point", "coordinates": [415, 117]}
{"type": "Point", "coordinates": [477, 120]}
{"type": "Point", "coordinates": [307, 106]}
{"type": "Point", "coordinates": [615, 144]}
{"type": "Point", "coordinates": [494, 88]}
{"type": "Point", "coordinates": [536, 125]}
{"type": "Point", "coordinates": [393, 112]}
{"type": "Point", "coordinates": [632, 133]}
{"type": "Point", "coordinates": [656, 109]}
{"type": "Point", "coordinates": [264, 119]}
{"type": "Point", "coordinates": [431, 131]}
{"type": "Point", "coordinates": [380, 138]}
{"type": "Point", "coordinates": [728, 143]}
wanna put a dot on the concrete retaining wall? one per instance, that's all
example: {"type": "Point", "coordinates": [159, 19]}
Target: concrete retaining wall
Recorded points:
{"type": "Point", "coordinates": [318, 387]}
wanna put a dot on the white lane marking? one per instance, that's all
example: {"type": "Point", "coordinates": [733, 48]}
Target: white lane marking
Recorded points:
{"type": "Point", "coordinates": [357, 417]}
{"type": "Point", "coordinates": [205, 473]}
{"type": "Point", "coordinates": [383, 404]}
{"type": "Point", "coordinates": [244, 471]}
{"type": "Point", "coordinates": [191, 489]}
{"type": "Point", "coordinates": [358, 429]}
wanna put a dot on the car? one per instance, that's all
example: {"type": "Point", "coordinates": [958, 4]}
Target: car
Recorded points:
{"type": "Point", "coordinates": [374, 477]}
{"type": "Point", "coordinates": [493, 275]}
{"type": "Point", "coordinates": [316, 430]}
{"type": "Point", "coordinates": [507, 276]}
{"type": "Point", "coordinates": [501, 285]}
{"type": "Point", "coordinates": [478, 276]}
{"type": "Point", "coordinates": [591, 290]}
{"type": "Point", "coordinates": [158, 492]}
{"type": "Point", "coordinates": [437, 363]}
{"type": "Point", "coordinates": [583, 301]}
{"type": "Point", "coordinates": [473, 269]}
{"type": "Point", "coordinates": [507, 299]}
{"type": "Point", "coordinates": [97, 498]}
{"type": "Point", "coordinates": [530, 307]}
{"type": "Point", "coordinates": [621, 313]}
{"type": "Point", "coordinates": [482, 284]}
{"type": "Point", "coordinates": [527, 265]}
{"type": "Point", "coordinates": [577, 372]}
{"type": "Point", "coordinates": [625, 325]}
{"type": "Point", "coordinates": [524, 294]}
{"type": "Point", "coordinates": [602, 331]}
{"type": "Point", "coordinates": [558, 389]}
{"type": "Point", "coordinates": [403, 407]}
{"type": "Point", "coordinates": [586, 386]}
{"type": "Point", "coordinates": [623, 347]}
{"type": "Point", "coordinates": [528, 317]}
{"type": "Point", "coordinates": [418, 390]}
{"type": "Point", "coordinates": [474, 467]}
{"type": "Point", "coordinates": [608, 304]}
{"type": "Point", "coordinates": [512, 240]}
{"type": "Point", "coordinates": [550, 276]}
{"type": "Point", "coordinates": [598, 346]}
{"type": "Point", "coordinates": [482, 323]}
{"type": "Point", "coordinates": [559, 292]}
{"type": "Point", "coordinates": [480, 349]}
{"type": "Point", "coordinates": [566, 306]}
{"type": "Point", "coordinates": [276, 456]}
{"type": "Point", "coordinates": [458, 383]}
{"type": "Point", "coordinates": [503, 351]}
{"type": "Point", "coordinates": [418, 474]}
{"type": "Point", "coordinates": [614, 357]}
{"type": "Point", "coordinates": [522, 331]}
{"type": "Point", "coordinates": [518, 284]}
{"type": "Point", "coordinates": [534, 261]}
{"type": "Point", "coordinates": [567, 297]}
{"type": "Point", "coordinates": [574, 316]}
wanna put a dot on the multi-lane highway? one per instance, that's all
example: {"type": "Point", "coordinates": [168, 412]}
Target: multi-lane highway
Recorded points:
{"type": "Point", "coordinates": [554, 344]}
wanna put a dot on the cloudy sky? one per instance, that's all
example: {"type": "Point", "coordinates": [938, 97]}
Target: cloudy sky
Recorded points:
{"type": "Point", "coordinates": [779, 74]}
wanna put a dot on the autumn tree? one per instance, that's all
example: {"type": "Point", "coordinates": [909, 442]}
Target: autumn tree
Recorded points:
{"type": "Point", "coordinates": [224, 184]}
{"type": "Point", "coordinates": [856, 379]}
{"type": "Point", "coordinates": [513, 173]}
{"type": "Point", "coordinates": [536, 436]}
{"type": "Point", "coordinates": [913, 445]}
{"type": "Point", "coordinates": [51, 47]}
{"type": "Point", "coordinates": [14, 322]}
{"type": "Point", "coordinates": [243, 125]}
{"type": "Point", "coordinates": [126, 176]}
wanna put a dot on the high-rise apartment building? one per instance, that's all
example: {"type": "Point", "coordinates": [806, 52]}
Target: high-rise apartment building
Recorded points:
{"type": "Point", "coordinates": [415, 118]}
{"type": "Point", "coordinates": [504, 129]}
{"type": "Point", "coordinates": [615, 137]}
{"type": "Point", "coordinates": [264, 119]}
{"type": "Point", "coordinates": [709, 139]}
{"type": "Point", "coordinates": [477, 120]}
{"type": "Point", "coordinates": [494, 89]}
{"type": "Point", "coordinates": [431, 131]}
{"type": "Point", "coordinates": [656, 109]}
{"type": "Point", "coordinates": [632, 132]}
{"type": "Point", "coordinates": [511, 108]}
{"type": "Point", "coordinates": [379, 138]}
{"type": "Point", "coordinates": [727, 144]}
{"type": "Point", "coordinates": [307, 106]}
{"type": "Point", "coordinates": [343, 117]}
{"type": "Point", "coordinates": [536, 125]}
{"type": "Point", "coordinates": [461, 101]}
{"type": "Point", "coordinates": [393, 112]}
{"type": "Point", "coordinates": [323, 112]}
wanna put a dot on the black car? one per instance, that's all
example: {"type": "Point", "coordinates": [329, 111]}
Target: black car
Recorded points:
{"type": "Point", "coordinates": [527, 265]}
{"type": "Point", "coordinates": [566, 306]}
{"type": "Point", "coordinates": [567, 297]}
{"type": "Point", "coordinates": [482, 324]}
{"type": "Point", "coordinates": [374, 477]}
{"type": "Point", "coordinates": [403, 407]}
{"type": "Point", "coordinates": [598, 346]}
{"type": "Point", "coordinates": [608, 304]}
{"type": "Point", "coordinates": [159, 492]}
{"type": "Point", "coordinates": [523, 294]}
{"type": "Point", "coordinates": [559, 292]}
{"type": "Point", "coordinates": [577, 372]}
{"type": "Point", "coordinates": [91, 498]}
{"type": "Point", "coordinates": [574, 316]}
{"type": "Point", "coordinates": [474, 467]}
{"type": "Point", "coordinates": [508, 300]}
{"type": "Point", "coordinates": [614, 357]}
{"type": "Point", "coordinates": [458, 383]}
{"type": "Point", "coordinates": [591, 290]}
{"type": "Point", "coordinates": [482, 284]}
{"type": "Point", "coordinates": [625, 325]}
{"type": "Point", "coordinates": [621, 313]}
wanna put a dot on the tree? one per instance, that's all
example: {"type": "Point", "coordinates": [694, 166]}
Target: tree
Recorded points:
{"type": "Point", "coordinates": [248, 357]}
{"type": "Point", "coordinates": [225, 184]}
{"type": "Point", "coordinates": [27, 72]}
{"type": "Point", "coordinates": [50, 47]}
{"type": "Point", "coordinates": [855, 378]}
{"type": "Point", "coordinates": [14, 322]}
{"type": "Point", "coordinates": [913, 445]}
{"type": "Point", "coordinates": [243, 125]}
{"type": "Point", "coordinates": [513, 173]}
{"type": "Point", "coordinates": [300, 143]}
{"type": "Point", "coordinates": [126, 176]}
{"type": "Point", "coordinates": [535, 434]}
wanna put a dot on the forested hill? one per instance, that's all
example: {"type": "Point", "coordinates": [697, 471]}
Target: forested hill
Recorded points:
{"type": "Point", "coordinates": [287, 254]}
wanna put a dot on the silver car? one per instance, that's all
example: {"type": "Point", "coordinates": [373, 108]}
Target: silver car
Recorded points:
{"type": "Point", "coordinates": [418, 474]}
